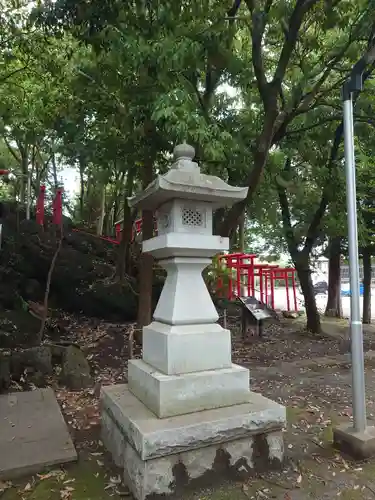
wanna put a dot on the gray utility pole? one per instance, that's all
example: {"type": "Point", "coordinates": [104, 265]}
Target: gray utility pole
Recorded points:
{"type": "Point", "coordinates": [356, 334]}
{"type": "Point", "coordinates": [354, 85]}
{"type": "Point", "coordinates": [357, 438]}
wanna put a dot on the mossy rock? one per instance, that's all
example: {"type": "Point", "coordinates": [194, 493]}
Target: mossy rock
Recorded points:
{"type": "Point", "coordinates": [37, 358]}
{"type": "Point", "coordinates": [75, 372]}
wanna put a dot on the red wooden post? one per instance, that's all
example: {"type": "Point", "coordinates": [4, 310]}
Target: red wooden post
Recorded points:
{"type": "Point", "coordinates": [261, 277]}
{"type": "Point", "coordinates": [239, 275]}
{"type": "Point", "coordinates": [235, 263]}
{"type": "Point", "coordinates": [118, 231]}
{"type": "Point", "coordinates": [286, 277]}
{"type": "Point", "coordinates": [244, 264]}
{"type": "Point", "coordinates": [138, 226]}
{"type": "Point", "coordinates": [272, 290]}
{"type": "Point", "coordinates": [230, 281]}
{"type": "Point", "coordinates": [250, 273]}
{"type": "Point", "coordinates": [57, 207]}
{"type": "Point", "coordinates": [40, 206]}
{"type": "Point", "coordinates": [294, 289]}
{"type": "Point", "coordinates": [249, 266]}
{"type": "Point", "coordinates": [267, 275]}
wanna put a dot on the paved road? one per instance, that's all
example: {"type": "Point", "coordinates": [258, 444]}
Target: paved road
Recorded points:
{"type": "Point", "coordinates": [281, 302]}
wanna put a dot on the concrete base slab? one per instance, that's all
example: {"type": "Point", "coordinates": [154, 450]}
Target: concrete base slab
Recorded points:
{"type": "Point", "coordinates": [170, 395]}
{"type": "Point", "coordinates": [161, 456]}
{"type": "Point", "coordinates": [359, 445]}
{"type": "Point", "coordinates": [33, 434]}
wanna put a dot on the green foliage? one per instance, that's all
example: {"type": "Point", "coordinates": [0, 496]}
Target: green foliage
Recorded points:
{"type": "Point", "coordinates": [108, 88]}
{"type": "Point", "coordinates": [218, 277]}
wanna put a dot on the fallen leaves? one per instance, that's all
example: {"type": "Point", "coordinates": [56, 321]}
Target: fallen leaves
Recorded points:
{"type": "Point", "coordinates": [81, 408]}
{"type": "Point", "coordinates": [58, 474]}
{"type": "Point", "coordinates": [66, 493]}
{"type": "Point", "coordinates": [27, 487]}
{"type": "Point", "coordinates": [115, 487]}
{"type": "Point", "coordinates": [5, 485]}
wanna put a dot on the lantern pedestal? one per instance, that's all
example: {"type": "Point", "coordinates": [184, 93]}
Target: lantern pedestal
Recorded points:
{"type": "Point", "coordinates": [163, 456]}
{"type": "Point", "coordinates": [187, 412]}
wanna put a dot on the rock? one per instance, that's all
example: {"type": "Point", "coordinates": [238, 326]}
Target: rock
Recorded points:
{"type": "Point", "coordinates": [83, 279]}
{"type": "Point", "coordinates": [18, 328]}
{"type": "Point", "coordinates": [4, 370]}
{"type": "Point", "coordinates": [38, 379]}
{"type": "Point", "coordinates": [32, 289]}
{"type": "Point", "coordinates": [75, 369]}
{"type": "Point", "coordinates": [290, 314]}
{"type": "Point", "coordinates": [37, 358]}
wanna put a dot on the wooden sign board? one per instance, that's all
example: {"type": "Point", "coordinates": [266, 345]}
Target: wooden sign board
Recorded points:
{"type": "Point", "coordinates": [257, 309]}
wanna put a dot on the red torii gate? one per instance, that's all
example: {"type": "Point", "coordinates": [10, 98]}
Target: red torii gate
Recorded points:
{"type": "Point", "coordinates": [246, 271]}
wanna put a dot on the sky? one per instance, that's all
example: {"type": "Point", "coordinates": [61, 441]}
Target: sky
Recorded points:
{"type": "Point", "coordinates": [70, 179]}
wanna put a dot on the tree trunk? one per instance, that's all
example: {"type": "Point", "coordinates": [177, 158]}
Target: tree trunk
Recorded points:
{"type": "Point", "coordinates": [366, 285]}
{"type": "Point", "coordinates": [313, 318]}
{"type": "Point", "coordinates": [54, 171]}
{"type": "Point", "coordinates": [99, 230]}
{"type": "Point", "coordinates": [24, 171]}
{"type": "Point", "coordinates": [233, 241]}
{"type": "Point", "coordinates": [82, 188]}
{"type": "Point", "coordinates": [127, 225]}
{"type": "Point", "coordinates": [145, 273]}
{"type": "Point", "coordinates": [241, 234]}
{"type": "Point", "coordinates": [146, 260]}
{"type": "Point", "coordinates": [333, 307]}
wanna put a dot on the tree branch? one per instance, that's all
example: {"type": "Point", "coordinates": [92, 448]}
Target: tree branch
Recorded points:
{"type": "Point", "coordinates": [232, 12]}
{"type": "Point", "coordinates": [12, 73]}
{"type": "Point", "coordinates": [11, 150]}
{"type": "Point", "coordinates": [285, 213]}
{"type": "Point", "coordinates": [301, 8]}
{"type": "Point", "coordinates": [257, 31]}
{"type": "Point", "coordinates": [302, 130]}
{"type": "Point", "coordinates": [48, 285]}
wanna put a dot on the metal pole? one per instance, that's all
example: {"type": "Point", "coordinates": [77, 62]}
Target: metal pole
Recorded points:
{"type": "Point", "coordinates": [356, 334]}
{"type": "Point", "coordinates": [28, 197]}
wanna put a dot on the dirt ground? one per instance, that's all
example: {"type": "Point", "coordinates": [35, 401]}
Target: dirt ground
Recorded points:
{"type": "Point", "coordinates": [308, 375]}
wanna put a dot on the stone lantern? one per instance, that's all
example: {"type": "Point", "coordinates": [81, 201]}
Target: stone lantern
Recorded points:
{"type": "Point", "coordinates": [186, 403]}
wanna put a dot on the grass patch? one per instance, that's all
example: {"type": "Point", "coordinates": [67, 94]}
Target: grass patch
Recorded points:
{"type": "Point", "coordinates": [295, 414]}
{"type": "Point", "coordinates": [82, 481]}
{"type": "Point", "coordinates": [229, 491]}
{"type": "Point", "coordinates": [350, 494]}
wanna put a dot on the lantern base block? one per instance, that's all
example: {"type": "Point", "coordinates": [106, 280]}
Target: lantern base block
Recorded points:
{"type": "Point", "coordinates": [171, 395]}
{"type": "Point", "coordinates": [162, 457]}
{"type": "Point", "coordinates": [173, 349]}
